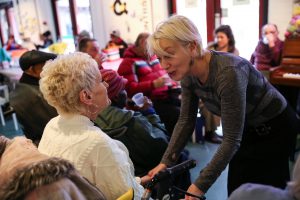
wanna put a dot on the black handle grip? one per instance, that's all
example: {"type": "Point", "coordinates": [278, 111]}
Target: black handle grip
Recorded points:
{"type": "Point", "coordinates": [182, 167]}
{"type": "Point", "coordinates": [171, 171]}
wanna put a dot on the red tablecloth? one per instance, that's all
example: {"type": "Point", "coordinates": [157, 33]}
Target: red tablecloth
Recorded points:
{"type": "Point", "coordinates": [114, 64]}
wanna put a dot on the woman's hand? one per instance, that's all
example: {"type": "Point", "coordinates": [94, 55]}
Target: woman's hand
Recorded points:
{"type": "Point", "coordinates": [157, 169]}
{"type": "Point", "coordinates": [193, 189]}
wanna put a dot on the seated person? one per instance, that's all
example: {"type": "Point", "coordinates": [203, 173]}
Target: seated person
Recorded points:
{"type": "Point", "coordinates": [146, 75]}
{"type": "Point", "coordinates": [117, 41]}
{"type": "Point", "coordinates": [267, 55]}
{"type": "Point", "coordinates": [250, 191]}
{"type": "Point", "coordinates": [81, 35]}
{"type": "Point", "coordinates": [224, 40]}
{"type": "Point", "coordinates": [73, 85]}
{"type": "Point", "coordinates": [47, 40]}
{"type": "Point", "coordinates": [12, 44]}
{"type": "Point", "coordinates": [268, 51]}
{"type": "Point", "coordinates": [27, 174]}
{"type": "Point", "coordinates": [33, 111]}
{"type": "Point", "coordinates": [91, 47]}
{"type": "Point", "coordinates": [142, 132]}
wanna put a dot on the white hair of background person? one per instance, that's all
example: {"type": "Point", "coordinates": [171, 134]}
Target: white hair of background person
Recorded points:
{"type": "Point", "coordinates": [63, 78]}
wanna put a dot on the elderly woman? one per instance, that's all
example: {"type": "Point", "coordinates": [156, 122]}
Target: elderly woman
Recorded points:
{"type": "Point", "coordinates": [73, 85]}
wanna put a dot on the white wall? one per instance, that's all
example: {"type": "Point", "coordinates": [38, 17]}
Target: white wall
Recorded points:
{"type": "Point", "coordinates": [104, 21]}
{"type": "Point", "coordinates": [30, 15]}
{"type": "Point", "coordinates": [159, 14]}
{"type": "Point", "coordinates": [45, 15]}
{"type": "Point", "coordinates": [280, 13]}
{"type": "Point", "coordinates": [99, 26]}
{"type": "Point", "coordinates": [196, 11]}
{"type": "Point", "coordinates": [244, 22]}
{"type": "Point", "coordinates": [141, 17]}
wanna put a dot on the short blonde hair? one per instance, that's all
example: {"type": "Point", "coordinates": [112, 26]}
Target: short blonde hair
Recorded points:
{"type": "Point", "coordinates": [177, 28]}
{"type": "Point", "coordinates": [63, 78]}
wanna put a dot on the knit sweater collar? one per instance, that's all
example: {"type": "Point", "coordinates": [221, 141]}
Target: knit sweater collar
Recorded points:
{"type": "Point", "coordinates": [74, 119]}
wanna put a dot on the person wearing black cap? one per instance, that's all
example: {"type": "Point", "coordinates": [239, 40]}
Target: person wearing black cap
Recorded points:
{"type": "Point", "coordinates": [32, 110]}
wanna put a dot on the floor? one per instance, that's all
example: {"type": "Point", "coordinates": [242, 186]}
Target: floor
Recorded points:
{"type": "Point", "coordinates": [202, 153]}
{"type": "Point", "coordinates": [8, 130]}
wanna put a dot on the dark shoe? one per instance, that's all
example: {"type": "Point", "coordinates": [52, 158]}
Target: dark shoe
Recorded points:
{"type": "Point", "coordinates": [212, 137]}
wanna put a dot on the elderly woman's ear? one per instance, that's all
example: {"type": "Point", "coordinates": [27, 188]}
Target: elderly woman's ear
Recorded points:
{"type": "Point", "coordinates": [85, 97]}
{"type": "Point", "coordinates": [3, 143]}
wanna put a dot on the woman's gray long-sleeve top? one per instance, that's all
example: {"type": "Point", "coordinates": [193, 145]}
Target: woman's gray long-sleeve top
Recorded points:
{"type": "Point", "coordinates": [234, 90]}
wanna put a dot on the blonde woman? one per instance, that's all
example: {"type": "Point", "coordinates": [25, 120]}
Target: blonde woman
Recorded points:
{"type": "Point", "coordinates": [259, 127]}
{"type": "Point", "coordinates": [73, 85]}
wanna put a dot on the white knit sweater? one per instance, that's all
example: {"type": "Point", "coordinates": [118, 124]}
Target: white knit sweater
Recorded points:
{"type": "Point", "coordinates": [103, 161]}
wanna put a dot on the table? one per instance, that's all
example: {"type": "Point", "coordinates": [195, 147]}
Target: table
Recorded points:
{"type": "Point", "coordinates": [114, 64]}
{"type": "Point", "coordinates": [13, 74]}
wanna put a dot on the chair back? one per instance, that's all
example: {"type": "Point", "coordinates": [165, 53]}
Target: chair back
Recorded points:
{"type": "Point", "coordinates": [4, 95]}
{"type": "Point", "coordinates": [129, 195]}
{"type": "Point", "coordinates": [5, 108]}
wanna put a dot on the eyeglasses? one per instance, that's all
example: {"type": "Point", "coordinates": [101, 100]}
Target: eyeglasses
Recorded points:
{"type": "Point", "coordinates": [269, 32]}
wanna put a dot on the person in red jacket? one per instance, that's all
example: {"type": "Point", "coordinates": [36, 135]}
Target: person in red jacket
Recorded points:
{"type": "Point", "coordinates": [146, 75]}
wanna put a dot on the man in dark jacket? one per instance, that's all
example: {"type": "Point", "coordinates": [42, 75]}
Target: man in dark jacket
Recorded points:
{"type": "Point", "coordinates": [33, 112]}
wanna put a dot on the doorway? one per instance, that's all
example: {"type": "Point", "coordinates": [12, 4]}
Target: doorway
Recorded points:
{"type": "Point", "coordinates": [243, 18]}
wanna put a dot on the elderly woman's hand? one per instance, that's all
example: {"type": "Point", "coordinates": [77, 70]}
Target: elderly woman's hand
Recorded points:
{"type": "Point", "coordinates": [147, 104]}
{"type": "Point", "coordinates": [145, 180]}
